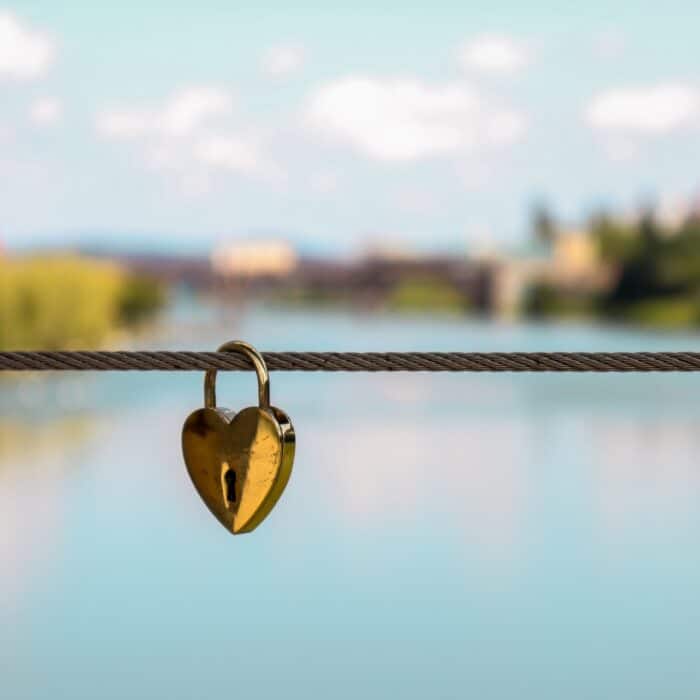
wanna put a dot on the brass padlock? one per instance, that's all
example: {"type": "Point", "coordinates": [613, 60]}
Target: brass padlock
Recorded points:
{"type": "Point", "coordinates": [240, 462]}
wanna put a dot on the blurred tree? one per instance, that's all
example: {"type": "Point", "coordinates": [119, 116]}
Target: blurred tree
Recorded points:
{"type": "Point", "coordinates": [659, 278]}
{"type": "Point", "coordinates": [140, 297]}
{"type": "Point", "coordinates": [544, 226]}
{"type": "Point", "coordinates": [656, 272]}
{"type": "Point", "coordinates": [51, 303]}
{"type": "Point", "coordinates": [616, 240]}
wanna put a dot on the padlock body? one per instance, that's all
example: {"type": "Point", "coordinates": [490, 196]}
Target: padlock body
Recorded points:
{"type": "Point", "coordinates": [239, 463]}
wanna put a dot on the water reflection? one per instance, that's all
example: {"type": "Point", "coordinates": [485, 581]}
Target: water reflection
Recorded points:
{"type": "Point", "coordinates": [431, 474]}
{"type": "Point", "coordinates": [44, 445]}
{"type": "Point", "coordinates": [442, 536]}
{"type": "Point", "coordinates": [35, 462]}
{"type": "Point", "coordinates": [646, 475]}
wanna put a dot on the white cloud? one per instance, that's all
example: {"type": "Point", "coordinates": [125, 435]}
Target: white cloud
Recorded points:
{"type": "Point", "coordinates": [25, 53]}
{"type": "Point", "coordinates": [235, 153]}
{"type": "Point", "coordinates": [189, 136]}
{"type": "Point", "coordinates": [46, 111]}
{"type": "Point", "coordinates": [179, 115]}
{"type": "Point", "coordinates": [656, 109]}
{"type": "Point", "coordinates": [406, 119]}
{"type": "Point", "coordinates": [283, 60]}
{"type": "Point", "coordinates": [494, 53]}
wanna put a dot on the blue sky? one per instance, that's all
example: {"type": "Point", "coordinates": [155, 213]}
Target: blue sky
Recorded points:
{"type": "Point", "coordinates": [171, 125]}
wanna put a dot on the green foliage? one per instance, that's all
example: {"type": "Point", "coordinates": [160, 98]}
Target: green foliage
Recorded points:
{"type": "Point", "coordinates": [657, 276]}
{"type": "Point", "coordinates": [617, 242]}
{"type": "Point", "coordinates": [665, 313]}
{"type": "Point", "coordinates": [426, 294]}
{"type": "Point", "coordinates": [659, 280]}
{"type": "Point", "coordinates": [140, 298]}
{"type": "Point", "coordinates": [51, 303]}
{"type": "Point", "coordinates": [544, 226]}
{"type": "Point", "coordinates": [544, 300]}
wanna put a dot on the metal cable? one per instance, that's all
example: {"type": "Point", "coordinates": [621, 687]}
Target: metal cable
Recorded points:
{"type": "Point", "coordinates": [358, 361]}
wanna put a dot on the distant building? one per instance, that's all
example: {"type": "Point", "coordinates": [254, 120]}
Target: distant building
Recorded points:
{"type": "Point", "coordinates": [572, 264]}
{"type": "Point", "coordinates": [510, 279]}
{"type": "Point", "coordinates": [251, 259]}
{"type": "Point", "coordinates": [576, 264]}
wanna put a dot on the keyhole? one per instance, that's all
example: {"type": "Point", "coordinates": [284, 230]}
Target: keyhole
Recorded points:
{"type": "Point", "coordinates": [230, 479]}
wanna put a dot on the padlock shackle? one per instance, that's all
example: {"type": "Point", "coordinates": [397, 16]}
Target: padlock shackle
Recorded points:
{"type": "Point", "coordinates": [260, 370]}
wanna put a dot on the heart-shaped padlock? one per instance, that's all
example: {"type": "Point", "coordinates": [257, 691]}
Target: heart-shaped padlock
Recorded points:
{"type": "Point", "coordinates": [240, 462]}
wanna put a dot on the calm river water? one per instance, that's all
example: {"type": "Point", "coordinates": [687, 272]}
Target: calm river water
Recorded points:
{"type": "Point", "coordinates": [443, 536]}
